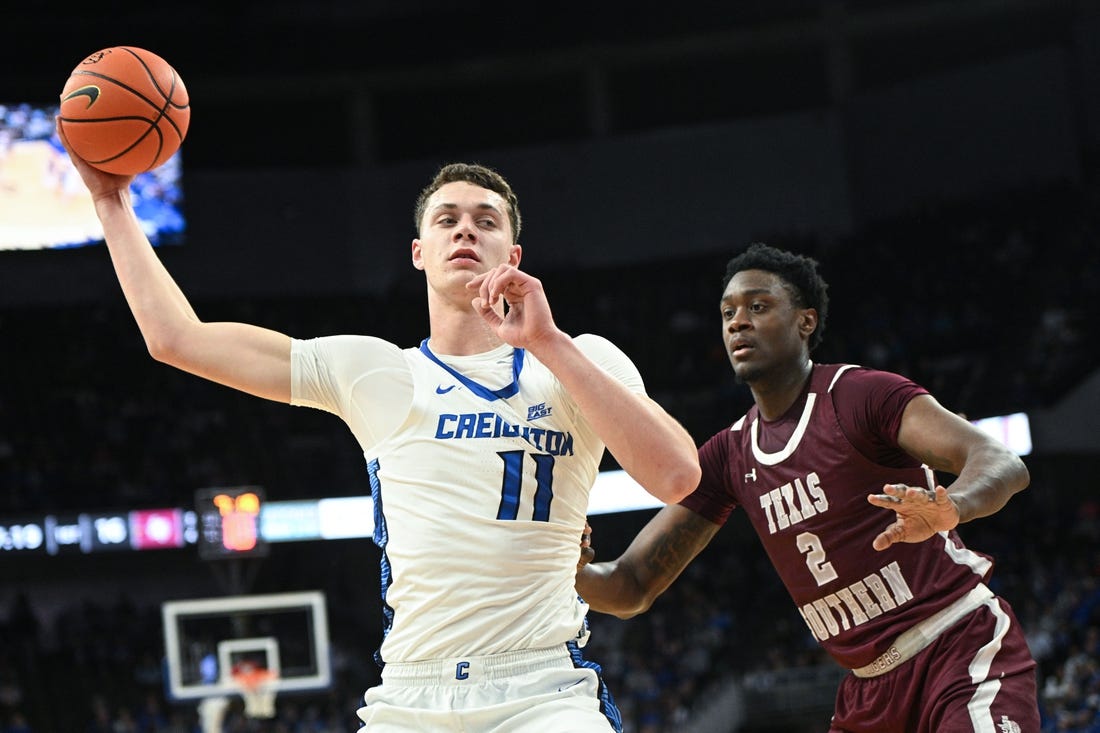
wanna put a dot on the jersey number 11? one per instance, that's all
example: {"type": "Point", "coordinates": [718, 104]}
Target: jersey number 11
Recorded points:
{"type": "Point", "coordinates": [512, 483]}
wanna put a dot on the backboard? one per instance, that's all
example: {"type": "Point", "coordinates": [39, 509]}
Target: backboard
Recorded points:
{"type": "Point", "coordinates": [286, 633]}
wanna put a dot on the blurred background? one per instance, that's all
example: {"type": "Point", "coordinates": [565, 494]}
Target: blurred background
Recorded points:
{"type": "Point", "coordinates": [939, 158]}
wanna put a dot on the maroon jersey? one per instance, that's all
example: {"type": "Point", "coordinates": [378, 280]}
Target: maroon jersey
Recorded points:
{"type": "Point", "coordinates": [803, 481]}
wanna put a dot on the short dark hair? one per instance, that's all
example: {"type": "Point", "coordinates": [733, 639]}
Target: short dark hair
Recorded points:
{"type": "Point", "coordinates": [478, 175]}
{"type": "Point", "coordinates": [799, 272]}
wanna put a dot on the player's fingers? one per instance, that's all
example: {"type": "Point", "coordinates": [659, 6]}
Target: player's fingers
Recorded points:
{"type": "Point", "coordinates": [65, 142]}
{"type": "Point", "coordinates": [886, 501]}
{"type": "Point", "coordinates": [60, 131]}
{"type": "Point", "coordinates": [919, 495]}
{"type": "Point", "coordinates": [477, 281]}
{"type": "Point", "coordinates": [93, 178]}
{"type": "Point", "coordinates": [512, 288]}
{"type": "Point", "coordinates": [486, 312]}
{"type": "Point", "coordinates": [889, 536]}
{"type": "Point", "coordinates": [495, 282]}
{"type": "Point", "coordinates": [894, 493]}
{"type": "Point", "coordinates": [900, 493]}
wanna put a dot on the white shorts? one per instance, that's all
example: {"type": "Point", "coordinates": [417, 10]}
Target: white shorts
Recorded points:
{"type": "Point", "coordinates": [536, 691]}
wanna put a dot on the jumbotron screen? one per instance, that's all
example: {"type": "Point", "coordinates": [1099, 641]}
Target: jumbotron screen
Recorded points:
{"type": "Point", "coordinates": [43, 202]}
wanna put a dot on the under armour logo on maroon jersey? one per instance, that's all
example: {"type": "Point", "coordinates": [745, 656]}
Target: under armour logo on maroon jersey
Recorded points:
{"type": "Point", "coordinates": [751, 475]}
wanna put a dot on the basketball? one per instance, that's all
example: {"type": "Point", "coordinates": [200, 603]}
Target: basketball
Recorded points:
{"type": "Point", "coordinates": [124, 110]}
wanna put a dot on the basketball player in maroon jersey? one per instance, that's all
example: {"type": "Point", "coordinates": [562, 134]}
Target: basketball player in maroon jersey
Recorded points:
{"type": "Point", "coordinates": [834, 467]}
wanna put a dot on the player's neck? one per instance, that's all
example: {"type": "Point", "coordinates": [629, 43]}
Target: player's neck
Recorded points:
{"type": "Point", "coordinates": [461, 334]}
{"type": "Point", "coordinates": [456, 329]}
{"type": "Point", "coordinates": [775, 393]}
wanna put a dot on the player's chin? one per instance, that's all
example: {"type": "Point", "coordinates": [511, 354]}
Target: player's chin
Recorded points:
{"type": "Point", "coordinates": [745, 372]}
{"type": "Point", "coordinates": [463, 272]}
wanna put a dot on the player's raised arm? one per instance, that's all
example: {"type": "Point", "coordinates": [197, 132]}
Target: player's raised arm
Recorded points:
{"type": "Point", "coordinates": [248, 358]}
{"type": "Point", "coordinates": [648, 443]}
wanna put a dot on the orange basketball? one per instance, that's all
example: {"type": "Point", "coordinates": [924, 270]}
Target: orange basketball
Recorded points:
{"type": "Point", "coordinates": [124, 110]}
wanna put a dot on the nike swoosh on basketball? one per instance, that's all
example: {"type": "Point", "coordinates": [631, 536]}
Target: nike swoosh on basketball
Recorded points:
{"type": "Point", "coordinates": [91, 92]}
{"type": "Point", "coordinates": [443, 390]}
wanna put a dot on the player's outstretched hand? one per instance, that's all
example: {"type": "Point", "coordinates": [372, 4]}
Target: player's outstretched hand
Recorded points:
{"type": "Point", "coordinates": [587, 553]}
{"type": "Point", "coordinates": [99, 183]}
{"type": "Point", "coordinates": [921, 513]}
{"type": "Point", "coordinates": [527, 320]}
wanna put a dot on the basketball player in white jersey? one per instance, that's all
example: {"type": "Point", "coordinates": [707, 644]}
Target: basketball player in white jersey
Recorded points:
{"type": "Point", "coordinates": [481, 444]}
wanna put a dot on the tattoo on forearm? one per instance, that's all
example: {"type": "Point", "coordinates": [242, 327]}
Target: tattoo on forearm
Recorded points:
{"type": "Point", "coordinates": [674, 549]}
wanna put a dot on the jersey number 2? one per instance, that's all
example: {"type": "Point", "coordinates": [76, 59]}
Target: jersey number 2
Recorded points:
{"type": "Point", "coordinates": [820, 568]}
{"type": "Point", "coordinates": [513, 480]}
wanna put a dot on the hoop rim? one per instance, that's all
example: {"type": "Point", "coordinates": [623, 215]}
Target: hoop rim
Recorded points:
{"type": "Point", "coordinates": [253, 679]}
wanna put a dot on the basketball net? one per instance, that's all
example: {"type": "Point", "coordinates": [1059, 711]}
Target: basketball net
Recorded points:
{"type": "Point", "coordinates": [212, 713]}
{"type": "Point", "coordinates": [258, 691]}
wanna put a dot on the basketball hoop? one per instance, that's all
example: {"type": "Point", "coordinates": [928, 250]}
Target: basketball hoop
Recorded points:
{"type": "Point", "coordinates": [257, 688]}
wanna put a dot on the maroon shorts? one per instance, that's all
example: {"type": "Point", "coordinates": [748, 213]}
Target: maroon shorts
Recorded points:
{"type": "Point", "coordinates": [977, 676]}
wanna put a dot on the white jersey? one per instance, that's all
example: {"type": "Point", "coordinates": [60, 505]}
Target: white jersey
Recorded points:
{"type": "Point", "coordinates": [480, 469]}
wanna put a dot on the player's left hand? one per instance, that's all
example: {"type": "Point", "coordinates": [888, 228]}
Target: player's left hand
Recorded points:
{"type": "Point", "coordinates": [527, 320]}
{"type": "Point", "coordinates": [587, 553]}
{"type": "Point", "coordinates": [921, 513]}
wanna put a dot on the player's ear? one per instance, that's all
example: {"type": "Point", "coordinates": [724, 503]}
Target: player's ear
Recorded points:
{"type": "Point", "coordinates": [807, 322]}
{"type": "Point", "coordinates": [515, 256]}
{"type": "Point", "coordinates": [417, 255]}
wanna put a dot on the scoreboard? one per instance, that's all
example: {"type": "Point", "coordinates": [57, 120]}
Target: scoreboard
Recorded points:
{"type": "Point", "coordinates": [229, 522]}
{"type": "Point", "coordinates": [225, 523]}
{"type": "Point", "coordinates": [84, 533]}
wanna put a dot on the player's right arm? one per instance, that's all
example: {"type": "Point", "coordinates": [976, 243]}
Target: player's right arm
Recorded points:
{"type": "Point", "coordinates": [628, 585]}
{"type": "Point", "coordinates": [987, 474]}
{"type": "Point", "coordinates": [249, 358]}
